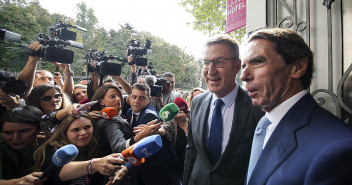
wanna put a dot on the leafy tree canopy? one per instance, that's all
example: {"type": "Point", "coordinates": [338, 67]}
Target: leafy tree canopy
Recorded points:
{"type": "Point", "coordinates": [210, 17]}
{"type": "Point", "coordinates": [29, 19]}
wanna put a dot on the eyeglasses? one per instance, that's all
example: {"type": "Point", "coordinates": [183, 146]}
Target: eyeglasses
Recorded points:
{"type": "Point", "coordinates": [218, 63]}
{"type": "Point", "coordinates": [48, 98]}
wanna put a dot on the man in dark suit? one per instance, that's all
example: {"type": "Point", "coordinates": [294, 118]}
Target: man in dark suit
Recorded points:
{"type": "Point", "coordinates": [220, 135]}
{"type": "Point", "coordinates": [303, 143]}
{"type": "Point", "coordinates": [159, 169]}
{"type": "Point", "coordinates": [141, 111]}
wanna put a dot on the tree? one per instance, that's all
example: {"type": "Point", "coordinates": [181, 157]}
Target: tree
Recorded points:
{"type": "Point", "coordinates": [25, 19]}
{"type": "Point", "coordinates": [85, 18]}
{"type": "Point", "coordinates": [30, 19]}
{"type": "Point", "coordinates": [210, 17]}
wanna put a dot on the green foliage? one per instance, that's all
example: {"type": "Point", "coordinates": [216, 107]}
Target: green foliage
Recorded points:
{"type": "Point", "coordinates": [210, 17]}
{"type": "Point", "coordinates": [29, 19]}
{"type": "Point", "coordinates": [26, 20]}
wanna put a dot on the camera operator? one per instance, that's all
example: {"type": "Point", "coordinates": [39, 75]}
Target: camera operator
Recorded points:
{"type": "Point", "coordinates": [133, 74]}
{"type": "Point", "coordinates": [10, 91]}
{"type": "Point", "coordinates": [31, 78]}
{"type": "Point", "coordinates": [168, 95]}
{"type": "Point", "coordinates": [136, 73]}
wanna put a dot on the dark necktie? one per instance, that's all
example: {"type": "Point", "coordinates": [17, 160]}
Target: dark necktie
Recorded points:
{"type": "Point", "coordinates": [134, 120]}
{"type": "Point", "coordinates": [257, 145]}
{"type": "Point", "coordinates": [215, 133]}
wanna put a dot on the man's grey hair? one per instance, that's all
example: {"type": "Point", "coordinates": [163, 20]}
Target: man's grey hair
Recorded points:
{"type": "Point", "coordinates": [142, 87]}
{"type": "Point", "coordinates": [225, 39]}
{"type": "Point", "coordinates": [150, 80]}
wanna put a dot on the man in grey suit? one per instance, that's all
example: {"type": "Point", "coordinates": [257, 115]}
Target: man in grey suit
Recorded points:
{"type": "Point", "coordinates": [218, 149]}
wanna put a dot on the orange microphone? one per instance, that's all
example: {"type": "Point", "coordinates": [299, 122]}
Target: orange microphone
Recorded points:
{"type": "Point", "coordinates": [128, 155]}
{"type": "Point", "coordinates": [109, 112]}
{"type": "Point", "coordinates": [136, 154]}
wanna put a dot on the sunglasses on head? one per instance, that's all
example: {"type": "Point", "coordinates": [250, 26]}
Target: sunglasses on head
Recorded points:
{"type": "Point", "coordinates": [48, 98]}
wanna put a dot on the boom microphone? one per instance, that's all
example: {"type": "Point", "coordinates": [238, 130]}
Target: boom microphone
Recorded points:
{"type": "Point", "coordinates": [168, 112]}
{"type": "Point", "coordinates": [144, 148]}
{"type": "Point", "coordinates": [75, 44]}
{"type": "Point", "coordinates": [181, 104]}
{"type": "Point", "coordinates": [61, 157]}
{"type": "Point", "coordinates": [11, 36]}
{"type": "Point", "coordinates": [109, 112]}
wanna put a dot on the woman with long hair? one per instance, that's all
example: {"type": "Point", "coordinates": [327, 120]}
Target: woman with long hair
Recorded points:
{"type": "Point", "coordinates": [19, 129]}
{"type": "Point", "coordinates": [79, 131]}
{"type": "Point", "coordinates": [55, 104]}
{"type": "Point", "coordinates": [118, 134]}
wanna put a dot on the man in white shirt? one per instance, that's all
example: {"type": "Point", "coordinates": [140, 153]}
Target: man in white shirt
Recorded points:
{"type": "Point", "coordinates": [222, 121]}
{"type": "Point", "coordinates": [277, 69]}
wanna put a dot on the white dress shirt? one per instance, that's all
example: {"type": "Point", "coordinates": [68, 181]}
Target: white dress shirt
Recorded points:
{"type": "Point", "coordinates": [279, 112]}
{"type": "Point", "coordinates": [227, 114]}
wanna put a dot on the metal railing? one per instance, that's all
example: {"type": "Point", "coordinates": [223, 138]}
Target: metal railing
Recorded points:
{"type": "Point", "coordinates": [292, 21]}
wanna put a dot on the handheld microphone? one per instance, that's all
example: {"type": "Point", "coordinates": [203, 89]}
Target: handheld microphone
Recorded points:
{"type": "Point", "coordinates": [61, 157]}
{"type": "Point", "coordinates": [84, 101]}
{"type": "Point", "coordinates": [136, 154]}
{"type": "Point", "coordinates": [109, 112]}
{"type": "Point", "coordinates": [181, 104]}
{"type": "Point", "coordinates": [168, 112]}
{"type": "Point", "coordinates": [86, 106]}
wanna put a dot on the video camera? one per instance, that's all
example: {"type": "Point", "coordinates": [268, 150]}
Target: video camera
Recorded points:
{"type": "Point", "coordinates": [10, 85]}
{"type": "Point", "coordinates": [103, 67]}
{"type": "Point", "coordinates": [53, 47]}
{"type": "Point", "coordinates": [157, 88]}
{"type": "Point", "coordinates": [161, 81]}
{"type": "Point", "coordinates": [134, 48]}
{"type": "Point", "coordinates": [151, 69]}
{"type": "Point", "coordinates": [11, 36]}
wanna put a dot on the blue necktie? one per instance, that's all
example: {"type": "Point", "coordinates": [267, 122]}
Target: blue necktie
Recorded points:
{"type": "Point", "coordinates": [257, 145]}
{"type": "Point", "coordinates": [215, 133]}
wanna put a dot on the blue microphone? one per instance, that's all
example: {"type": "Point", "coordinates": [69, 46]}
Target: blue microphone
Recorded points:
{"type": "Point", "coordinates": [136, 154]}
{"type": "Point", "coordinates": [61, 157]}
{"type": "Point", "coordinates": [148, 146]}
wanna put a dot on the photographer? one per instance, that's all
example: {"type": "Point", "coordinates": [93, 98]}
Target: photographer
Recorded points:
{"type": "Point", "coordinates": [30, 76]}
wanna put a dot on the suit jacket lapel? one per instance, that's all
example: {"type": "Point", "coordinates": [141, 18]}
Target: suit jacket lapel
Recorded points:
{"type": "Point", "coordinates": [283, 140]}
{"type": "Point", "coordinates": [200, 128]}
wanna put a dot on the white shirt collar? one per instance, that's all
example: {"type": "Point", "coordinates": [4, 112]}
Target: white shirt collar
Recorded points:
{"type": "Point", "coordinates": [229, 99]}
{"type": "Point", "coordinates": [279, 112]}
